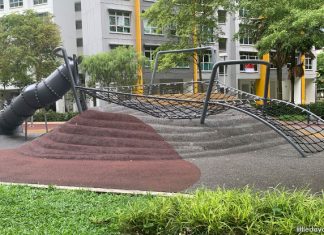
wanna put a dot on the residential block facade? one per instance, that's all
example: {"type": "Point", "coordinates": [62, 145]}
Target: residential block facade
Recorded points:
{"type": "Point", "coordinates": [92, 26]}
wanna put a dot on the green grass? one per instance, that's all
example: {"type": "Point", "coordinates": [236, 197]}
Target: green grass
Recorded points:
{"type": "Point", "coordinates": [293, 117]}
{"type": "Point", "coordinates": [24, 210]}
{"type": "Point", "coordinates": [225, 212]}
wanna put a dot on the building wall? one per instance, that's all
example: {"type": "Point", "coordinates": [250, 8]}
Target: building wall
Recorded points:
{"type": "Point", "coordinates": [97, 37]}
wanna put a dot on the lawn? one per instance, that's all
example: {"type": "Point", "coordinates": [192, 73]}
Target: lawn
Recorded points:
{"type": "Point", "coordinates": [25, 210]}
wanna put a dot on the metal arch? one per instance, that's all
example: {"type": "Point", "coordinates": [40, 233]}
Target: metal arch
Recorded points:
{"type": "Point", "coordinates": [232, 62]}
{"type": "Point", "coordinates": [156, 62]}
{"type": "Point", "coordinates": [177, 107]}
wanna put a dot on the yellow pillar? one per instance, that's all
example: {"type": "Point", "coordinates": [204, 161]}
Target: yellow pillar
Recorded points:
{"type": "Point", "coordinates": [303, 81]}
{"type": "Point", "coordinates": [138, 29]}
{"type": "Point", "coordinates": [195, 57]}
{"type": "Point", "coordinates": [260, 83]}
{"type": "Point", "coordinates": [195, 72]}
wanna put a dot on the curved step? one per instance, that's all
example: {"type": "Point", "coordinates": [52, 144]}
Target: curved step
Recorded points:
{"type": "Point", "coordinates": [240, 149]}
{"type": "Point", "coordinates": [110, 124]}
{"type": "Point", "coordinates": [89, 131]}
{"type": "Point", "coordinates": [44, 150]}
{"type": "Point", "coordinates": [48, 144]}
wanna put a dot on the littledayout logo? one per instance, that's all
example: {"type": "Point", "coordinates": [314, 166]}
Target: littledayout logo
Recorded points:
{"type": "Point", "coordinates": [311, 229]}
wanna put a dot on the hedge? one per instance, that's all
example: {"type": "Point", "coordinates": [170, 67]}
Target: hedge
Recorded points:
{"type": "Point", "coordinates": [275, 109]}
{"type": "Point", "coordinates": [53, 116]}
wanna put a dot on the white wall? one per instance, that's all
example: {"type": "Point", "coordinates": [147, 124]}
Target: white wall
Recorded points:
{"type": "Point", "coordinates": [92, 27]}
{"type": "Point", "coordinates": [310, 91]}
{"type": "Point", "coordinates": [64, 17]}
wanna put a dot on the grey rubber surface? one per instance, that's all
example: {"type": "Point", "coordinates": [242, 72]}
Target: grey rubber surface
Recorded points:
{"type": "Point", "coordinates": [233, 150]}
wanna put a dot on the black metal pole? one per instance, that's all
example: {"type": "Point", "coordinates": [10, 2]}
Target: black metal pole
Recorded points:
{"type": "Point", "coordinates": [231, 62]}
{"type": "Point", "coordinates": [66, 60]}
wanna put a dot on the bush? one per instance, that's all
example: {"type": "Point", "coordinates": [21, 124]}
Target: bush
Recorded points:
{"type": "Point", "coordinates": [284, 112]}
{"type": "Point", "coordinates": [224, 212]}
{"type": "Point", "coordinates": [53, 116]}
{"type": "Point", "coordinates": [317, 108]}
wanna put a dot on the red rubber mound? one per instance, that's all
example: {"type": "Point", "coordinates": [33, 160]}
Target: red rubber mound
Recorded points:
{"type": "Point", "coordinates": [104, 150]}
{"type": "Point", "coordinates": [96, 135]}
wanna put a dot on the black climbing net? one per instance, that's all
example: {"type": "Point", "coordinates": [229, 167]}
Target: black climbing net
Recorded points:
{"type": "Point", "coordinates": [185, 100]}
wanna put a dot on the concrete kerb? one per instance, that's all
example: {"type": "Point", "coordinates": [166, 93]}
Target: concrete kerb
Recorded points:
{"type": "Point", "coordinates": [99, 190]}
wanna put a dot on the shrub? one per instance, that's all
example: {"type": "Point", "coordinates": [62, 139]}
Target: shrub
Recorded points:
{"type": "Point", "coordinates": [317, 108]}
{"type": "Point", "coordinates": [224, 212]}
{"type": "Point", "coordinates": [53, 116]}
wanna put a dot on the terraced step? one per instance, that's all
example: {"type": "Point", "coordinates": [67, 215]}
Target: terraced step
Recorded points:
{"type": "Point", "coordinates": [219, 143]}
{"type": "Point", "coordinates": [224, 133]}
{"type": "Point", "coordinates": [239, 149]}
{"type": "Point", "coordinates": [45, 148]}
{"type": "Point", "coordinates": [96, 135]}
{"type": "Point", "coordinates": [70, 128]}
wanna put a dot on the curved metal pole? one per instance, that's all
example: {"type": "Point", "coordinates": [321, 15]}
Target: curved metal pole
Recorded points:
{"type": "Point", "coordinates": [232, 62]}
{"type": "Point", "coordinates": [176, 51]}
{"type": "Point", "coordinates": [266, 123]}
{"type": "Point", "coordinates": [66, 60]}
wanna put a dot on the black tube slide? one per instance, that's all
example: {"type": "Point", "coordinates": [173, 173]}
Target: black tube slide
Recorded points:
{"type": "Point", "coordinates": [33, 97]}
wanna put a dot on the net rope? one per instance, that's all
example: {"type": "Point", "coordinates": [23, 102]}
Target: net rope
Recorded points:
{"type": "Point", "coordinates": [185, 100]}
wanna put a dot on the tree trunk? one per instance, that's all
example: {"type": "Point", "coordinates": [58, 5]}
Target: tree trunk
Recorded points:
{"type": "Point", "coordinates": [279, 79]}
{"type": "Point", "coordinates": [292, 88]}
{"type": "Point", "coordinates": [292, 75]}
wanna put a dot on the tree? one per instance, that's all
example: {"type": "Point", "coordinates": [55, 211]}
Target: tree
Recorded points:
{"type": "Point", "coordinates": [119, 66]}
{"type": "Point", "coordinates": [286, 26]}
{"type": "Point", "coordinates": [320, 70]}
{"type": "Point", "coordinates": [188, 24]}
{"type": "Point", "coordinates": [27, 41]}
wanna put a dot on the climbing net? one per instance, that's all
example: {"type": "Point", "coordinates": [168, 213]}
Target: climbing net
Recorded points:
{"type": "Point", "coordinates": [185, 100]}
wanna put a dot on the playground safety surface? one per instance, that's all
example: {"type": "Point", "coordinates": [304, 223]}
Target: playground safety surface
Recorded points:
{"type": "Point", "coordinates": [94, 150]}
{"type": "Point", "coordinates": [103, 150]}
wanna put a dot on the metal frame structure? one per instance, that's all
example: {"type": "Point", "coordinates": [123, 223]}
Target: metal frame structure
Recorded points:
{"type": "Point", "coordinates": [287, 119]}
{"type": "Point", "coordinates": [73, 75]}
{"type": "Point", "coordinates": [159, 53]}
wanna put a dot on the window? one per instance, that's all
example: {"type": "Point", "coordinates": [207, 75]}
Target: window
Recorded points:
{"type": "Point", "coordinates": [38, 2]}
{"type": "Point", "coordinates": [43, 15]}
{"type": "Point", "coordinates": [242, 12]}
{"type": "Point", "coordinates": [221, 16]}
{"type": "Point", "coordinates": [119, 21]}
{"type": "Point", "coordinates": [78, 24]}
{"type": "Point", "coordinates": [248, 56]}
{"type": "Point", "coordinates": [79, 42]}
{"type": "Point", "coordinates": [1, 5]}
{"type": "Point", "coordinates": [206, 63]}
{"type": "Point", "coordinates": [77, 6]}
{"type": "Point", "coordinates": [207, 34]}
{"type": "Point", "coordinates": [246, 39]}
{"type": "Point", "coordinates": [222, 44]}
{"type": "Point", "coordinates": [149, 29]}
{"type": "Point", "coordinates": [222, 70]}
{"type": "Point", "coordinates": [308, 63]}
{"type": "Point", "coordinates": [148, 53]}
{"type": "Point", "coordinates": [16, 3]}
{"type": "Point", "coordinates": [114, 46]}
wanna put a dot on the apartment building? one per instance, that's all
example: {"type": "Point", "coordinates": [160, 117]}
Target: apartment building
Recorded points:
{"type": "Point", "coordinates": [92, 26]}
{"type": "Point", "coordinates": [111, 23]}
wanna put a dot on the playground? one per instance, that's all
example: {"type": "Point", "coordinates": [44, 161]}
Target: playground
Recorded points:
{"type": "Point", "coordinates": [208, 135]}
